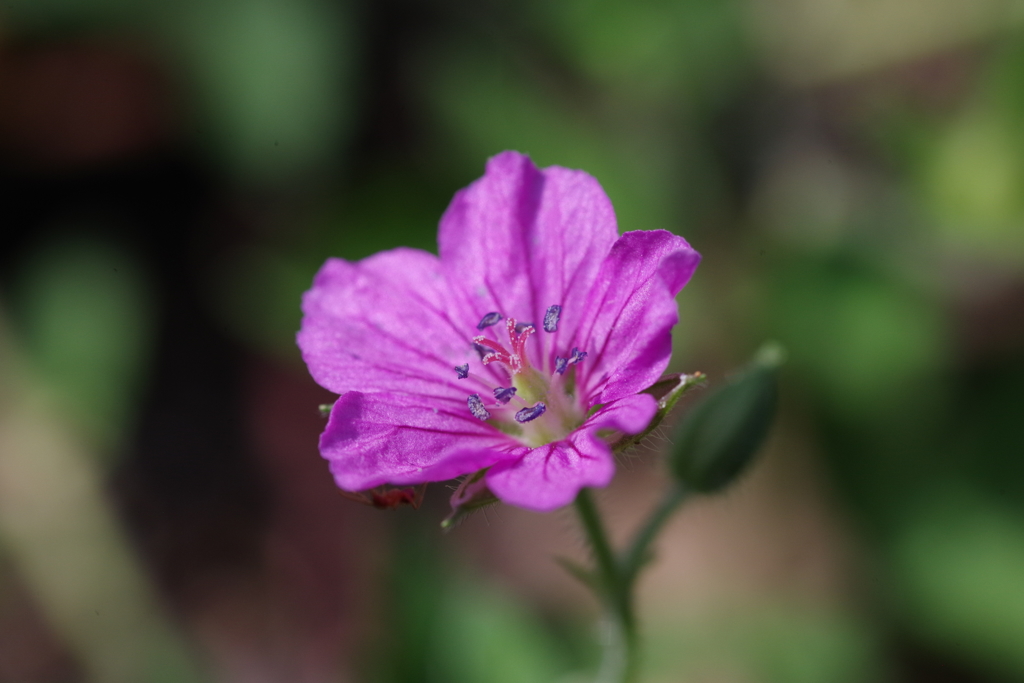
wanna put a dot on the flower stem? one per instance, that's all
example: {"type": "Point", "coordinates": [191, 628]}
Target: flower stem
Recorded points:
{"type": "Point", "coordinates": [619, 664]}
{"type": "Point", "coordinates": [615, 579]}
{"type": "Point", "coordinates": [594, 529]}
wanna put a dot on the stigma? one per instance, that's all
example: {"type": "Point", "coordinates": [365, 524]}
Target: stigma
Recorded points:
{"type": "Point", "coordinates": [515, 360]}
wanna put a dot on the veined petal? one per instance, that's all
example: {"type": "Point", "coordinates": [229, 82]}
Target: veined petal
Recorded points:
{"type": "Point", "coordinates": [632, 306]}
{"type": "Point", "coordinates": [549, 477]}
{"type": "Point", "coordinates": [629, 415]}
{"type": "Point", "coordinates": [374, 439]}
{"type": "Point", "coordinates": [521, 239]}
{"type": "Point", "coordinates": [384, 324]}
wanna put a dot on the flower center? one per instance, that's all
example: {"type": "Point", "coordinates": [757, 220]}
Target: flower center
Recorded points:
{"type": "Point", "coordinates": [539, 404]}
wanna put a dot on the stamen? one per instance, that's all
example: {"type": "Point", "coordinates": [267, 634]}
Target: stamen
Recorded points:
{"type": "Point", "coordinates": [476, 406]}
{"type": "Point", "coordinates": [527, 414]}
{"type": "Point", "coordinates": [481, 350]}
{"type": "Point", "coordinates": [462, 371]}
{"type": "Point", "coordinates": [562, 364]}
{"type": "Point", "coordinates": [488, 320]}
{"type": "Point", "coordinates": [551, 317]}
{"type": "Point", "coordinates": [522, 326]}
{"type": "Point", "coordinates": [503, 396]}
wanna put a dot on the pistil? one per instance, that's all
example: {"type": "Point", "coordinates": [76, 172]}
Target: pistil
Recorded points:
{"type": "Point", "coordinates": [545, 405]}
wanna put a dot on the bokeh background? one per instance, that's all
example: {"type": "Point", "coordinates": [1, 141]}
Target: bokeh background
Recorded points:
{"type": "Point", "coordinates": [172, 173]}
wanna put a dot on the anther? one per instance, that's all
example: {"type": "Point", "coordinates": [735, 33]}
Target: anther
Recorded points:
{"type": "Point", "coordinates": [462, 371]}
{"type": "Point", "coordinates": [503, 396]}
{"type": "Point", "coordinates": [522, 326]}
{"type": "Point", "coordinates": [488, 320]}
{"type": "Point", "coordinates": [527, 414]}
{"type": "Point", "coordinates": [476, 406]}
{"type": "Point", "coordinates": [562, 364]}
{"type": "Point", "coordinates": [551, 317]}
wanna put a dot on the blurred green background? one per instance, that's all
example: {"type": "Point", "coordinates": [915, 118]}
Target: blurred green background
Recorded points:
{"type": "Point", "coordinates": [173, 173]}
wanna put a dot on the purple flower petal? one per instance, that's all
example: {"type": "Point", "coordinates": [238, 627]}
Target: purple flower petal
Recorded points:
{"type": "Point", "coordinates": [629, 337]}
{"type": "Point", "coordinates": [629, 415]}
{"type": "Point", "coordinates": [394, 335]}
{"type": "Point", "coordinates": [383, 324]}
{"type": "Point", "coordinates": [522, 239]}
{"type": "Point", "coordinates": [374, 439]}
{"type": "Point", "coordinates": [549, 477]}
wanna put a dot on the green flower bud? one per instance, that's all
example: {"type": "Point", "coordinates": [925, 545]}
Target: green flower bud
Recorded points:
{"type": "Point", "coordinates": [723, 432]}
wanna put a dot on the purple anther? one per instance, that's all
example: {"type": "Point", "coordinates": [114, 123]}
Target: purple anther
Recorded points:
{"type": "Point", "coordinates": [522, 326]}
{"type": "Point", "coordinates": [476, 406]}
{"type": "Point", "coordinates": [527, 414]}
{"type": "Point", "coordinates": [551, 317]}
{"type": "Point", "coordinates": [462, 371]}
{"type": "Point", "coordinates": [488, 320]}
{"type": "Point", "coordinates": [560, 364]}
{"type": "Point", "coordinates": [503, 396]}
{"type": "Point", "coordinates": [481, 350]}
{"type": "Point", "coordinates": [577, 355]}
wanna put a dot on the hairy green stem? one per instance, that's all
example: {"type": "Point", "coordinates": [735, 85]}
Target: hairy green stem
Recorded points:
{"type": "Point", "coordinates": [620, 647]}
{"type": "Point", "coordinates": [614, 579]}
{"type": "Point", "coordinates": [598, 539]}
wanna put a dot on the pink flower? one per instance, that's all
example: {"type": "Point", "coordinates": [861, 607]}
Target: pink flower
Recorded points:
{"type": "Point", "coordinates": [523, 348]}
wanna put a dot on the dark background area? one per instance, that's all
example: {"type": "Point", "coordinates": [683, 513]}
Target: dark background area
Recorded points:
{"type": "Point", "coordinates": [172, 175]}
